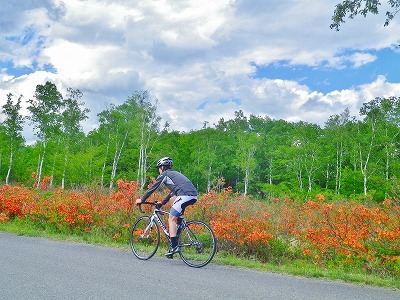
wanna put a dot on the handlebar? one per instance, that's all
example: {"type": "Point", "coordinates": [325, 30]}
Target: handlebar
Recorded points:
{"type": "Point", "coordinates": [156, 204]}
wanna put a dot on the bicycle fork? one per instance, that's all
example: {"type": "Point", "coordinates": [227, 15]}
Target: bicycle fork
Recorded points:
{"type": "Point", "coordinates": [148, 228]}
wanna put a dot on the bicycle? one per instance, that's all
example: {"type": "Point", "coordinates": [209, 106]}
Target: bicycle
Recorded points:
{"type": "Point", "coordinates": [196, 239]}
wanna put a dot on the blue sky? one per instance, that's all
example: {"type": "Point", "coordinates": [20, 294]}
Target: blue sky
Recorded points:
{"type": "Point", "coordinates": [326, 79]}
{"type": "Point", "coordinates": [202, 60]}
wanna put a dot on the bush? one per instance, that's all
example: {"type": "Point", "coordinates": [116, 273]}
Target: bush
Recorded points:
{"type": "Point", "coordinates": [345, 234]}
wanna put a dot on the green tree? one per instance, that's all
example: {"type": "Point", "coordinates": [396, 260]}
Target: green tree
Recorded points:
{"type": "Point", "coordinates": [235, 132]}
{"type": "Point", "coordinates": [45, 116]}
{"type": "Point", "coordinates": [72, 132]}
{"type": "Point", "coordinates": [336, 134]}
{"type": "Point", "coordinates": [204, 155]}
{"type": "Point", "coordinates": [261, 127]}
{"type": "Point", "coordinates": [113, 126]}
{"type": "Point", "coordinates": [351, 177]}
{"type": "Point", "coordinates": [12, 129]}
{"type": "Point", "coordinates": [384, 114]}
{"type": "Point", "coordinates": [149, 124]}
{"type": "Point", "coordinates": [277, 140]}
{"type": "Point", "coordinates": [352, 8]}
{"type": "Point", "coordinates": [245, 157]}
{"type": "Point", "coordinates": [307, 138]}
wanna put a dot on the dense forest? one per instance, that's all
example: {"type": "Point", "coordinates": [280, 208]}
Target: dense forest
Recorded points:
{"type": "Point", "coordinates": [351, 156]}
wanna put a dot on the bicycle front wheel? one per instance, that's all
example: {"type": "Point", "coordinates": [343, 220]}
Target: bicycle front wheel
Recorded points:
{"type": "Point", "coordinates": [198, 244]}
{"type": "Point", "coordinates": [144, 238]}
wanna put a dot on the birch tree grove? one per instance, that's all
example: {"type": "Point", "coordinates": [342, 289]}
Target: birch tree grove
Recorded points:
{"type": "Point", "coordinates": [256, 155]}
{"type": "Point", "coordinates": [129, 130]}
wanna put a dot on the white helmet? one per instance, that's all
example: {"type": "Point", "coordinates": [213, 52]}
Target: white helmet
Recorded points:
{"type": "Point", "coordinates": [165, 161]}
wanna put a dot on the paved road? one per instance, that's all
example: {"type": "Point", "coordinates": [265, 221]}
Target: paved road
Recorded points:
{"type": "Point", "coordinates": [37, 268]}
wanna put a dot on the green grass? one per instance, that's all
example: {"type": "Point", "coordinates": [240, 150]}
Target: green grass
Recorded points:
{"type": "Point", "coordinates": [304, 269]}
{"type": "Point", "coordinates": [25, 227]}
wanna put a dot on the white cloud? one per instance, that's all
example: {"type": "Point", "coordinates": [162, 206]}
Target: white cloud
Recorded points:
{"type": "Point", "coordinates": [360, 59]}
{"type": "Point", "coordinates": [196, 57]}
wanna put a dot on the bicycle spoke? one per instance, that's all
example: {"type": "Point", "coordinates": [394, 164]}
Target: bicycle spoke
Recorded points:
{"type": "Point", "coordinates": [144, 238]}
{"type": "Point", "coordinates": [198, 244]}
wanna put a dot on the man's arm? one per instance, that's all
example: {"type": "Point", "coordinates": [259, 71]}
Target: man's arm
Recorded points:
{"type": "Point", "coordinates": [154, 187]}
{"type": "Point", "coordinates": [166, 199]}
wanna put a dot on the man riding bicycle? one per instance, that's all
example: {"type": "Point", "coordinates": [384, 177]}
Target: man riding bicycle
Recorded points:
{"type": "Point", "coordinates": [182, 194]}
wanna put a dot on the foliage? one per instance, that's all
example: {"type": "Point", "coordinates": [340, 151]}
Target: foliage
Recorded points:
{"type": "Point", "coordinates": [352, 8]}
{"type": "Point", "coordinates": [256, 155]}
{"type": "Point", "coordinates": [11, 129]}
{"type": "Point", "coordinates": [344, 234]}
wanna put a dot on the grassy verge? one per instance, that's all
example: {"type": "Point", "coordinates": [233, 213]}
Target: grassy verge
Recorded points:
{"type": "Point", "coordinates": [297, 268]}
{"type": "Point", "coordinates": [303, 269]}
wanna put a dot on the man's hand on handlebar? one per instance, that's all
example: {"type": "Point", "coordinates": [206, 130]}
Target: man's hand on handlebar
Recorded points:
{"type": "Point", "coordinates": [157, 204]}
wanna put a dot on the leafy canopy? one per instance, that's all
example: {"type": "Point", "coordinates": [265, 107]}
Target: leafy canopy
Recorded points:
{"type": "Point", "coordinates": [352, 8]}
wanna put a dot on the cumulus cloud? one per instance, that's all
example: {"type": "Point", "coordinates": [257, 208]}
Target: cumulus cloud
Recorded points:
{"type": "Point", "coordinates": [199, 59]}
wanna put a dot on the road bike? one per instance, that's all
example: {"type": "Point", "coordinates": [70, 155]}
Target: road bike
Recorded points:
{"type": "Point", "coordinates": [196, 239]}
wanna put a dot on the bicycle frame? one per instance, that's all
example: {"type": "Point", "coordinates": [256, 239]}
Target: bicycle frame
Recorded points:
{"type": "Point", "coordinates": [155, 218]}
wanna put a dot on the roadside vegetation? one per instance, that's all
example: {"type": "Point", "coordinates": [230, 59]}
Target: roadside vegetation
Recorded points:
{"type": "Point", "coordinates": [341, 240]}
{"type": "Point", "coordinates": [289, 197]}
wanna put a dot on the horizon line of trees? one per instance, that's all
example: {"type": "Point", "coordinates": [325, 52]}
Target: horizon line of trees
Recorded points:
{"type": "Point", "coordinates": [254, 155]}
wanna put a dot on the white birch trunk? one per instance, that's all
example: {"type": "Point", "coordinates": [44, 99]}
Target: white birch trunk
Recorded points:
{"type": "Point", "coordinates": [209, 179]}
{"type": "Point", "coordinates": [117, 156]}
{"type": "Point", "coordinates": [40, 168]}
{"type": "Point", "coordinates": [103, 169]}
{"type": "Point", "coordinates": [364, 165]}
{"type": "Point", "coordinates": [64, 170]}
{"type": "Point", "coordinates": [339, 160]}
{"type": "Point", "coordinates": [9, 167]}
{"type": "Point", "coordinates": [246, 182]}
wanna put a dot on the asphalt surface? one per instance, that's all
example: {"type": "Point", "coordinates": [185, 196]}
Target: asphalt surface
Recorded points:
{"type": "Point", "coordinates": [38, 268]}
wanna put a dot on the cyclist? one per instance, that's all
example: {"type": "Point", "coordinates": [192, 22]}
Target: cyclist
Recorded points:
{"type": "Point", "coordinates": [182, 194]}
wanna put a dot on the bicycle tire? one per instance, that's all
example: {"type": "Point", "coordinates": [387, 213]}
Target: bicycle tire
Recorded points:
{"type": "Point", "coordinates": [144, 247]}
{"type": "Point", "coordinates": [197, 244]}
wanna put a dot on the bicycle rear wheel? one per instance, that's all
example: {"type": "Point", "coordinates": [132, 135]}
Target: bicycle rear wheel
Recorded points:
{"type": "Point", "coordinates": [144, 238]}
{"type": "Point", "coordinates": [198, 244]}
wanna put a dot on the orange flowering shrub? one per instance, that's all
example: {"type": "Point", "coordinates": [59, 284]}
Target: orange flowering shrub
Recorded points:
{"type": "Point", "coordinates": [209, 203]}
{"type": "Point", "coordinates": [75, 211]}
{"type": "Point", "coordinates": [322, 232]}
{"type": "Point", "coordinates": [351, 230]}
{"type": "Point", "coordinates": [13, 200]}
{"type": "Point", "coordinates": [241, 226]}
{"type": "Point", "coordinates": [317, 230]}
